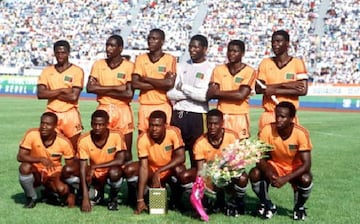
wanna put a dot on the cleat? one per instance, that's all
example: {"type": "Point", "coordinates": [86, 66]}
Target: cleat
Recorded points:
{"type": "Point", "coordinates": [97, 197]}
{"type": "Point", "coordinates": [30, 203]}
{"type": "Point", "coordinates": [112, 206]}
{"type": "Point", "coordinates": [234, 208]}
{"type": "Point", "coordinates": [260, 210]}
{"type": "Point", "coordinates": [269, 213]}
{"type": "Point", "coordinates": [299, 213]}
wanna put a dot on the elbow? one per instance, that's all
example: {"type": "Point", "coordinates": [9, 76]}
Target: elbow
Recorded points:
{"type": "Point", "coordinates": [74, 99]}
{"type": "Point", "coordinates": [129, 94]}
{"type": "Point", "coordinates": [89, 89]}
{"type": "Point", "coordinates": [304, 93]}
{"type": "Point", "coordinates": [169, 84]}
{"type": "Point", "coordinates": [181, 160]}
{"type": "Point", "coordinates": [40, 96]}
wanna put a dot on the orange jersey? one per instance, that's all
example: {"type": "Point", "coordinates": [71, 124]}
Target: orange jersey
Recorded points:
{"type": "Point", "coordinates": [269, 72]}
{"type": "Point", "coordinates": [145, 68]}
{"type": "Point", "coordinates": [159, 154]}
{"type": "Point", "coordinates": [203, 150]}
{"type": "Point", "coordinates": [89, 151]}
{"type": "Point", "coordinates": [112, 77]}
{"type": "Point", "coordinates": [284, 154]}
{"type": "Point", "coordinates": [222, 76]}
{"type": "Point", "coordinates": [52, 79]}
{"type": "Point", "coordinates": [60, 148]}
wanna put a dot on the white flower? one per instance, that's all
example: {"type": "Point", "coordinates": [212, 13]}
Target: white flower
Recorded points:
{"type": "Point", "coordinates": [234, 159]}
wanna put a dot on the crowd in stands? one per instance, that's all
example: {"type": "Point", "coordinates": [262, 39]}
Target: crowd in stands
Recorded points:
{"type": "Point", "coordinates": [173, 17]}
{"type": "Point", "coordinates": [339, 51]}
{"type": "Point", "coordinates": [29, 28]}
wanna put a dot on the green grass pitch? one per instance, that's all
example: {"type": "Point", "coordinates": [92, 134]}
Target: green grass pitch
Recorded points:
{"type": "Point", "coordinates": [335, 197]}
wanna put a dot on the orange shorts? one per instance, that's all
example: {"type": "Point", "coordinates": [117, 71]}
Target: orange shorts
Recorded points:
{"type": "Point", "coordinates": [45, 174]}
{"type": "Point", "coordinates": [121, 117]}
{"type": "Point", "coordinates": [240, 123]}
{"type": "Point", "coordinates": [281, 170]}
{"type": "Point", "coordinates": [69, 122]}
{"type": "Point", "coordinates": [163, 175]}
{"type": "Point", "coordinates": [268, 117]}
{"type": "Point", "coordinates": [145, 111]}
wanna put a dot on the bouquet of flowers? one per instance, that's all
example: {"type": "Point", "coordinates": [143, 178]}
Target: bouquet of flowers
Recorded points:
{"type": "Point", "coordinates": [234, 159]}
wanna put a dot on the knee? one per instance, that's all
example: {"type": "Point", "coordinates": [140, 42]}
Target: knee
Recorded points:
{"type": "Point", "coordinates": [62, 189]}
{"type": "Point", "coordinates": [243, 180]}
{"type": "Point", "coordinates": [131, 170]}
{"type": "Point", "coordinates": [255, 175]}
{"type": "Point", "coordinates": [179, 170]}
{"type": "Point", "coordinates": [305, 180]}
{"type": "Point", "coordinates": [25, 168]}
{"type": "Point", "coordinates": [115, 173]}
{"type": "Point", "coordinates": [67, 171]}
{"type": "Point", "coordinates": [186, 177]}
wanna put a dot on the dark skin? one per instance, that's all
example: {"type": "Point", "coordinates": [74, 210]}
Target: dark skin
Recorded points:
{"type": "Point", "coordinates": [284, 127]}
{"type": "Point", "coordinates": [197, 54]}
{"type": "Point", "coordinates": [155, 43]}
{"type": "Point", "coordinates": [114, 59]}
{"type": "Point", "coordinates": [48, 136]}
{"type": "Point", "coordinates": [295, 88]}
{"type": "Point", "coordinates": [157, 128]}
{"type": "Point", "coordinates": [197, 51]}
{"type": "Point", "coordinates": [70, 95]}
{"type": "Point", "coordinates": [99, 134]}
{"type": "Point", "coordinates": [120, 92]}
{"type": "Point", "coordinates": [215, 136]}
{"type": "Point", "coordinates": [234, 55]}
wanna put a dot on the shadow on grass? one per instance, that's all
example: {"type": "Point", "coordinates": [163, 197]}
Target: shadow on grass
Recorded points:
{"type": "Point", "coordinates": [252, 202]}
{"type": "Point", "coordinates": [18, 198]}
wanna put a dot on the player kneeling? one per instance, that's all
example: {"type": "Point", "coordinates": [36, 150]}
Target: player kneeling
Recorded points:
{"type": "Point", "coordinates": [40, 154]}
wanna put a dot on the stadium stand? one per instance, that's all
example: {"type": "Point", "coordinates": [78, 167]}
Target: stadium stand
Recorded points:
{"type": "Point", "coordinates": [324, 33]}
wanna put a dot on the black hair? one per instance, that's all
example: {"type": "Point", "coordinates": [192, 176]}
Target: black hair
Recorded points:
{"type": "Point", "coordinates": [216, 113]}
{"type": "Point", "coordinates": [289, 105]}
{"type": "Point", "coordinates": [202, 39]}
{"type": "Point", "coordinates": [100, 113]}
{"type": "Point", "coordinates": [158, 114]}
{"type": "Point", "coordinates": [118, 38]}
{"type": "Point", "coordinates": [50, 114]}
{"type": "Point", "coordinates": [282, 33]}
{"type": "Point", "coordinates": [62, 43]}
{"type": "Point", "coordinates": [159, 31]}
{"type": "Point", "coordinates": [239, 43]}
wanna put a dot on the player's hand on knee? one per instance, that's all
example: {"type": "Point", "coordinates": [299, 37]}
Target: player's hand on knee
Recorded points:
{"type": "Point", "coordinates": [156, 180]}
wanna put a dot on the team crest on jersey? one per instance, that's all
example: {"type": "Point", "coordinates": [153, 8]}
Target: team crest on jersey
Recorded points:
{"type": "Point", "coordinates": [169, 147]}
{"type": "Point", "coordinates": [161, 68]}
{"type": "Point", "coordinates": [111, 150]}
{"type": "Point", "coordinates": [290, 76]}
{"type": "Point", "coordinates": [68, 78]}
{"type": "Point", "coordinates": [293, 147]}
{"type": "Point", "coordinates": [120, 75]}
{"type": "Point", "coordinates": [238, 79]}
{"type": "Point", "coordinates": [200, 75]}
